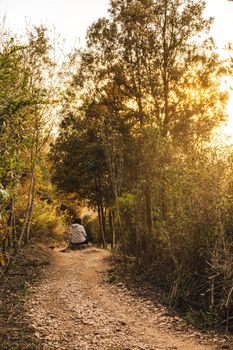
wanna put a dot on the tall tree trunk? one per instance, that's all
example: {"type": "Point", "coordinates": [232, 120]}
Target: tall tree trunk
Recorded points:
{"type": "Point", "coordinates": [100, 218]}
{"type": "Point", "coordinates": [11, 224]}
{"type": "Point", "coordinates": [149, 210]}
{"type": "Point", "coordinates": [112, 228]}
{"type": "Point", "coordinates": [166, 120]}
{"type": "Point", "coordinates": [25, 233]}
{"type": "Point", "coordinates": [100, 211]}
{"type": "Point", "coordinates": [165, 73]}
{"type": "Point", "coordinates": [28, 229]}
{"type": "Point", "coordinates": [28, 211]}
{"type": "Point", "coordinates": [121, 233]}
{"type": "Point", "coordinates": [33, 179]}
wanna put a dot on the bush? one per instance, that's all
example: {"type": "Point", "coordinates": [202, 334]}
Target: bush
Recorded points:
{"type": "Point", "coordinates": [46, 221]}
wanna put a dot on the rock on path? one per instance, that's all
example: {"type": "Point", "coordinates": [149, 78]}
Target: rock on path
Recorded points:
{"type": "Point", "coordinates": [71, 309]}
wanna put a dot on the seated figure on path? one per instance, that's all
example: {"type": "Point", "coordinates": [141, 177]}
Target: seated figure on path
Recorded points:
{"type": "Point", "coordinates": [78, 235]}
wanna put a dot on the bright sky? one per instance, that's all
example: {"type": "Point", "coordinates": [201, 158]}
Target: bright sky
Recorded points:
{"type": "Point", "coordinates": [222, 31]}
{"type": "Point", "coordinates": [71, 19]}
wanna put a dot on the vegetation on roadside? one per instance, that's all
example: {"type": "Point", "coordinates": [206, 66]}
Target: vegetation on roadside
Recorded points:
{"type": "Point", "coordinates": [136, 142]}
{"type": "Point", "coordinates": [138, 110]}
{"type": "Point", "coordinates": [29, 95]}
{"type": "Point", "coordinates": [15, 331]}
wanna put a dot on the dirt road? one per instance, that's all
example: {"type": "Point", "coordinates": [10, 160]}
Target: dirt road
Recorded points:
{"type": "Point", "coordinates": [72, 309]}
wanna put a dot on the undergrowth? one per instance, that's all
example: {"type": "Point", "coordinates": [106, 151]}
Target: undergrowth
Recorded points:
{"type": "Point", "coordinates": [15, 331]}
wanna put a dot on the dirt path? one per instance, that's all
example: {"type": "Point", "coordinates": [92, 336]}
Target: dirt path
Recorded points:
{"type": "Point", "coordinates": [72, 309]}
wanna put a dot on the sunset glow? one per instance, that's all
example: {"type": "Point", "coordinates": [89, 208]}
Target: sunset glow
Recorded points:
{"type": "Point", "coordinates": [222, 32]}
{"type": "Point", "coordinates": [71, 18]}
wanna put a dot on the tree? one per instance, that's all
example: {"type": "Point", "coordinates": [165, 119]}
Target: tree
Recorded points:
{"type": "Point", "coordinates": [148, 91]}
{"type": "Point", "coordinates": [25, 99]}
{"type": "Point", "coordinates": [159, 59]}
{"type": "Point", "coordinates": [80, 167]}
{"type": "Point", "coordinates": [40, 67]}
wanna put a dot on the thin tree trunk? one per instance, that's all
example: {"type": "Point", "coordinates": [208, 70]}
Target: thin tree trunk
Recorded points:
{"type": "Point", "coordinates": [25, 233]}
{"type": "Point", "coordinates": [11, 235]}
{"type": "Point", "coordinates": [121, 234]}
{"type": "Point", "coordinates": [33, 179]}
{"type": "Point", "coordinates": [14, 235]}
{"type": "Point", "coordinates": [138, 238]}
{"type": "Point", "coordinates": [149, 210]}
{"type": "Point", "coordinates": [165, 73]}
{"type": "Point", "coordinates": [28, 229]}
{"type": "Point", "coordinates": [28, 211]}
{"type": "Point", "coordinates": [103, 217]}
{"type": "Point", "coordinates": [100, 225]}
{"type": "Point", "coordinates": [112, 228]}
{"type": "Point", "coordinates": [100, 217]}
{"type": "Point", "coordinates": [100, 211]}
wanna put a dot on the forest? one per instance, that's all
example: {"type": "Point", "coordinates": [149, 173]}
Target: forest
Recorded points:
{"type": "Point", "coordinates": [127, 127]}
